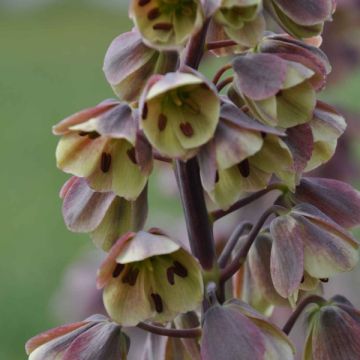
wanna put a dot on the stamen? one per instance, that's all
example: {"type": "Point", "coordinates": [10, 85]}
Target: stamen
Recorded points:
{"type": "Point", "coordinates": [143, 2]}
{"type": "Point", "coordinates": [93, 135]}
{"type": "Point", "coordinates": [153, 14]}
{"type": "Point", "coordinates": [180, 269]}
{"type": "Point", "coordinates": [192, 106]}
{"type": "Point", "coordinates": [244, 168]}
{"type": "Point", "coordinates": [187, 129]}
{"type": "Point", "coordinates": [144, 111]}
{"type": "Point", "coordinates": [302, 279]}
{"type": "Point", "coordinates": [170, 275]}
{"type": "Point", "coordinates": [118, 270]}
{"type": "Point", "coordinates": [162, 121]}
{"type": "Point", "coordinates": [130, 277]}
{"type": "Point", "coordinates": [83, 133]}
{"type": "Point", "coordinates": [217, 177]}
{"type": "Point", "coordinates": [159, 307]}
{"type": "Point", "coordinates": [163, 26]}
{"type": "Point", "coordinates": [105, 162]}
{"type": "Point", "coordinates": [324, 280]}
{"type": "Point", "coordinates": [131, 155]}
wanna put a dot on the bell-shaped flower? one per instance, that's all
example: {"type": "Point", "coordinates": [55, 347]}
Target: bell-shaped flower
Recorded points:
{"type": "Point", "coordinates": [148, 276]}
{"type": "Point", "coordinates": [239, 20]}
{"type": "Point", "coordinates": [337, 199]}
{"type": "Point", "coordinates": [102, 214]}
{"type": "Point", "coordinates": [301, 18]}
{"type": "Point", "coordinates": [179, 113]}
{"type": "Point", "coordinates": [236, 331]}
{"type": "Point", "coordinates": [298, 51]}
{"type": "Point", "coordinates": [94, 338]}
{"type": "Point", "coordinates": [129, 63]}
{"type": "Point", "coordinates": [308, 245]}
{"type": "Point", "coordinates": [102, 144]}
{"type": "Point", "coordinates": [327, 125]}
{"type": "Point", "coordinates": [333, 331]}
{"type": "Point", "coordinates": [237, 159]}
{"type": "Point", "coordinates": [166, 24]}
{"type": "Point", "coordinates": [278, 92]}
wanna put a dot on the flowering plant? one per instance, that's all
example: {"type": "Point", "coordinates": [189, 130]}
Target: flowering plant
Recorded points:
{"type": "Point", "coordinates": [230, 142]}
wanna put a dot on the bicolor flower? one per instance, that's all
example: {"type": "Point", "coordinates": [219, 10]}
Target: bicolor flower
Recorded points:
{"type": "Point", "coordinates": [94, 338]}
{"type": "Point", "coordinates": [179, 113]}
{"type": "Point", "coordinates": [333, 331]}
{"type": "Point", "coordinates": [278, 92]}
{"type": "Point", "coordinates": [242, 157]}
{"type": "Point", "coordinates": [166, 24]}
{"type": "Point", "coordinates": [235, 330]}
{"type": "Point", "coordinates": [240, 21]}
{"type": "Point", "coordinates": [102, 214]}
{"type": "Point", "coordinates": [102, 145]}
{"type": "Point", "coordinates": [337, 199]}
{"type": "Point", "coordinates": [148, 276]}
{"type": "Point", "coordinates": [129, 63]}
{"type": "Point", "coordinates": [327, 125]}
{"type": "Point", "coordinates": [301, 18]}
{"type": "Point", "coordinates": [308, 246]}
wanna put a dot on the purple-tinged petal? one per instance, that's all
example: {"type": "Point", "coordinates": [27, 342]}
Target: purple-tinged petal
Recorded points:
{"type": "Point", "coordinates": [335, 198]}
{"type": "Point", "coordinates": [260, 76]}
{"type": "Point", "coordinates": [287, 255]}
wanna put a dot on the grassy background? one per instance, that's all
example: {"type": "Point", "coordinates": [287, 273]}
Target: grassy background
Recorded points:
{"type": "Point", "coordinates": [50, 67]}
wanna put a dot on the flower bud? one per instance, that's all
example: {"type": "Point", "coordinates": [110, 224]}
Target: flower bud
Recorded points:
{"type": "Point", "coordinates": [94, 338]}
{"type": "Point", "coordinates": [235, 329]}
{"type": "Point", "coordinates": [277, 91]}
{"type": "Point", "coordinates": [179, 113]}
{"type": "Point", "coordinates": [104, 215]}
{"type": "Point", "coordinates": [167, 24]}
{"type": "Point", "coordinates": [301, 18]}
{"type": "Point", "coordinates": [129, 63]}
{"type": "Point", "coordinates": [308, 245]}
{"type": "Point", "coordinates": [333, 331]}
{"type": "Point", "coordinates": [101, 145]}
{"type": "Point", "coordinates": [148, 276]}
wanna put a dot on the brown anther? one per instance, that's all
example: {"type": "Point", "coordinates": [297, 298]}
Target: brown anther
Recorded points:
{"type": "Point", "coordinates": [83, 133]}
{"type": "Point", "coordinates": [217, 177]}
{"type": "Point", "coordinates": [118, 270]}
{"type": "Point", "coordinates": [302, 279]}
{"type": "Point", "coordinates": [131, 277]}
{"type": "Point", "coordinates": [263, 135]}
{"type": "Point", "coordinates": [187, 129]}
{"type": "Point", "coordinates": [159, 307]}
{"type": "Point", "coordinates": [162, 121]}
{"type": "Point", "coordinates": [180, 269]}
{"type": "Point", "coordinates": [144, 111]}
{"type": "Point", "coordinates": [324, 280]}
{"type": "Point", "coordinates": [244, 168]}
{"type": "Point", "coordinates": [143, 2]}
{"type": "Point", "coordinates": [163, 26]}
{"type": "Point", "coordinates": [105, 162]}
{"type": "Point", "coordinates": [131, 155]}
{"type": "Point", "coordinates": [153, 14]}
{"type": "Point", "coordinates": [93, 135]}
{"type": "Point", "coordinates": [170, 275]}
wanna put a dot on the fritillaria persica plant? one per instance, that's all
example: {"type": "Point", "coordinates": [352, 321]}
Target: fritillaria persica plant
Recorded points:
{"type": "Point", "coordinates": [229, 141]}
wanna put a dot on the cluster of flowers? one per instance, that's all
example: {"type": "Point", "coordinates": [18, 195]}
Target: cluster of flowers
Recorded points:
{"type": "Point", "coordinates": [260, 135]}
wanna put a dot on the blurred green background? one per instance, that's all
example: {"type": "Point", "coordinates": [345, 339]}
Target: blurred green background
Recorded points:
{"type": "Point", "coordinates": [50, 66]}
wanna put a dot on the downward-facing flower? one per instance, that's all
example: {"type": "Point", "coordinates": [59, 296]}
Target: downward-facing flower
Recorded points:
{"type": "Point", "coordinates": [277, 91]}
{"type": "Point", "coordinates": [333, 331]}
{"type": "Point", "coordinates": [129, 63]}
{"type": "Point", "coordinates": [236, 331]}
{"type": "Point", "coordinates": [179, 113]}
{"type": "Point", "coordinates": [148, 276]}
{"type": "Point", "coordinates": [242, 157]}
{"type": "Point", "coordinates": [327, 125]}
{"type": "Point", "coordinates": [240, 21]}
{"type": "Point", "coordinates": [337, 199]}
{"type": "Point", "coordinates": [301, 18]}
{"type": "Point", "coordinates": [167, 24]}
{"type": "Point", "coordinates": [102, 214]}
{"type": "Point", "coordinates": [94, 338]}
{"type": "Point", "coordinates": [308, 245]}
{"type": "Point", "coordinates": [101, 145]}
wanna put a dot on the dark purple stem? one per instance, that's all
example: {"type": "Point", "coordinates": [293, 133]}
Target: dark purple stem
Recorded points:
{"type": "Point", "coordinates": [312, 299]}
{"type": "Point", "coordinates": [163, 331]}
